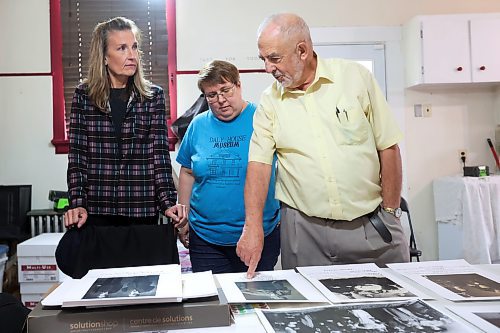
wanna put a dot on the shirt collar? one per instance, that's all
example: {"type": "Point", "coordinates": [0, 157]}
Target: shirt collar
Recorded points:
{"type": "Point", "coordinates": [322, 74]}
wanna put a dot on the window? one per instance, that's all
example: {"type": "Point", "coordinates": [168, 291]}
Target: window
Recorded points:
{"type": "Point", "coordinates": [71, 41]}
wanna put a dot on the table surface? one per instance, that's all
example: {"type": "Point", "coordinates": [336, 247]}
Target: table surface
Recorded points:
{"type": "Point", "coordinates": [250, 323]}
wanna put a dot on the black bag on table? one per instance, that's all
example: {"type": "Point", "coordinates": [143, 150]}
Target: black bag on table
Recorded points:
{"type": "Point", "coordinates": [95, 247]}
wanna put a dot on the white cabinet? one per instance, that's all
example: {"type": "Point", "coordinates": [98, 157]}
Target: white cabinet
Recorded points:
{"type": "Point", "coordinates": [441, 49]}
{"type": "Point", "coordinates": [485, 49]}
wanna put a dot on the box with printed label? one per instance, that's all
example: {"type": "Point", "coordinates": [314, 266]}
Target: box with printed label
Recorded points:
{"type": "Point", "coordinates": [36, 259]}
{"type": "Point", "coordinates": [38, 269]}
{"type": "Point", "coordinates": [36, 287]}
{"type": "Point", "coordinates": [31, 300]}
{"type": "Point", "coordinates": [208, 312]}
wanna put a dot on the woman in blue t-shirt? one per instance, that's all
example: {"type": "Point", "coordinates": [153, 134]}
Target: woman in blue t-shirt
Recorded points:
{"type": "Point", "coordinates": [213, 156]}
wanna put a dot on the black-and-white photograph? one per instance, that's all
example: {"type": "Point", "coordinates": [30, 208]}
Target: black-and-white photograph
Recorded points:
{"type": "Point", "coordinates": [491, 317]}
{"type": "Point", "coordinates": [467, 285]}
{"type": "Point", "coordinates": [412, 316]}
{"type": "Point", "coordinates": [269, 290]}
{"type": "Point", "coordinates": [133, 286]}
{"type": "Point", "coordinates": [365, 287]}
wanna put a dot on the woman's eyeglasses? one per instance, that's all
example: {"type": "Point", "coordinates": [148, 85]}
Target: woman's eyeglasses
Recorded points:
{"type": "Point", "coordinates": [225, 92]}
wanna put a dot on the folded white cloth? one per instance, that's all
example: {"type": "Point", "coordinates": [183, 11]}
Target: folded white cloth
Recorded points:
{"type": "Point", "coordinates": [475, 204]}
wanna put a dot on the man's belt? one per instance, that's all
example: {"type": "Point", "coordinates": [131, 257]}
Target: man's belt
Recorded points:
{"type": "Point", "coordinates": [380, 226]}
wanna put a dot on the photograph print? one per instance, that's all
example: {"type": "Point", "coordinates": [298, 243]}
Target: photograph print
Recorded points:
{"type": "Point", "coordinates": [269, 290]}
{"type": "Point", "coordinates": [467, 285]}
{"type": "Point", "coordinates": [365, 287]}
{"type": "Point", "coordinates": [133, 286]}
{"type": "Point", "coordinates": [412, 316]}
{"type": "Point", "coordinates": [491, 317]}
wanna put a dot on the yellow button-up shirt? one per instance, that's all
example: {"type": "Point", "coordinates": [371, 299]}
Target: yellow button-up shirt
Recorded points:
{"type": "Point", "coordinates": [327, 140]}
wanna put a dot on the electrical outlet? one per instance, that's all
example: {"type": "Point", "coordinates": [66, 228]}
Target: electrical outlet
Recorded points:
{"type": "Point", "coordinates": [427, 110]}
{"type": "Point", "coordinates": [462, 155]}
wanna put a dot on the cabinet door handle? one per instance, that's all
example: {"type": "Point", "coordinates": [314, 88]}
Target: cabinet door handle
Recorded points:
{"type": "Point", "coordinates": [482, 68]}
{"type": "Point", "coordinates": [460, 68]}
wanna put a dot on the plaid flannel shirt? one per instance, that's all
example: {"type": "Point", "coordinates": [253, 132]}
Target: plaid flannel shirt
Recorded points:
{"type": "Point", "coordinates": [134, 181]}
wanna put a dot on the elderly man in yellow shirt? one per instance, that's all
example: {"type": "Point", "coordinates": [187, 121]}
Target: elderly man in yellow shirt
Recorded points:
{"type": "Point", "coordinates": [339, 166]}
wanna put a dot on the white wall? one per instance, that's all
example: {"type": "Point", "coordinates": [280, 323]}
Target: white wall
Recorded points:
{"type": "Point", "coordinates": [26, 155]}
{"type": "Point", "coordinates": [224, 29]}
{"type": "Point", "coordinates": [460, 119]}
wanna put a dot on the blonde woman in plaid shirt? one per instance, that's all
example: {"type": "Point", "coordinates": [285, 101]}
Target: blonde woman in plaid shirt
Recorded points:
{"type": "Point", "coordinates": [119, 170]}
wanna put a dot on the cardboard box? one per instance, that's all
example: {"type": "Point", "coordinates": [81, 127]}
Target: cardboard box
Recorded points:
{"type": "Point", "coordinates": [36, 259]}
{"type": "Point", "coordinates": [43, 245]}
{"type": "Point", "coordinates": [208, 312]}
{"type": "Point", "coordinates": [31, 300]}
{"type": "Point", "coordinates": [38, 269]}
{"type": "Point", "coordinates": [36, 287]}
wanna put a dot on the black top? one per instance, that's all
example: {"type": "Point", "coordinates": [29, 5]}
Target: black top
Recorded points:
{"type": "Point", "coordinates": [118, 99]}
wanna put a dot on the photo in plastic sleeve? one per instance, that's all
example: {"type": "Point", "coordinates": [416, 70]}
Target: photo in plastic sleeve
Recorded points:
{"type": "Point", "coordinates": [410, 316]}
{"type": "Point", "coordinates": [114, 287]}
{"type": "Point", "coordinates": [269, 290]}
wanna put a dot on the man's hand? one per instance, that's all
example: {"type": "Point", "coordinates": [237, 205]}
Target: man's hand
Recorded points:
{"type": "Point", "coordinates": [76, 216]}
{"type": "Point", "coordinates": [178, 214]}
{"type": "Point", "coordinates": [249, 247]}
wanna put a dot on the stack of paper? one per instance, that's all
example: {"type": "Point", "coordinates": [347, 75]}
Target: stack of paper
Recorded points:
{"type": "Point", "coordinates": [131, 285]}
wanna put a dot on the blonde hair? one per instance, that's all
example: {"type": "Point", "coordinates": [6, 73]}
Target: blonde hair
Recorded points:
{"type": "Point", "coordinates": [98, 81]}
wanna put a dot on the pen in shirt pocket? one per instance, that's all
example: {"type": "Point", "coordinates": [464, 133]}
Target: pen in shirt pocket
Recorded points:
{"type": "Point", "coordinates": [346, 115]}
{"type": "Point", "coordinates": [338, 112]}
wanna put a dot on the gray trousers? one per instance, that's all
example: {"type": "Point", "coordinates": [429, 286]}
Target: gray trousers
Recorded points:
{"type": "Point", "coordinates": [313, 241]}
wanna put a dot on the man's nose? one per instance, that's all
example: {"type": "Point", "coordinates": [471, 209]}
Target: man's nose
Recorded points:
{"type": "Point", "coordinates": [269, 67]}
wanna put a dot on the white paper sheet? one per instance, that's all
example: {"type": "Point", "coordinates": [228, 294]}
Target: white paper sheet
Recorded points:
{"type": "Point", "coordinates": [195, 285]}
{"type": "Point", "coordinates": [268, 286]}
{"type": "Point", "coordinates": [455, 280]}
{"type": "Point", "coordinates": [409, 316]}
{"type": "Point", "coordinates": [485, 317]}
{"type": "Point", "coordinates": [120, 286]}
{"type": "Point", "coordinates": [358, 283]}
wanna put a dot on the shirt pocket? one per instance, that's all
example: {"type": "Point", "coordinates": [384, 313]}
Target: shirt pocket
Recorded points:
{"type": "Point", "coordinates": [352, 126]}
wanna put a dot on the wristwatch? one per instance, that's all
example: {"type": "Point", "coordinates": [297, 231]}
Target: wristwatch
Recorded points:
{"type": "Point", "coordinates": [397, 212]}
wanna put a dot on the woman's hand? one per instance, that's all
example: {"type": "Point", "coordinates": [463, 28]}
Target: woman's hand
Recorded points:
{"type": "Point", "coordinates": [178, 214]}
{"type": "Point", "coordinates": [183, 234]}
{"type": "Point", "coordinates": [76, 216]}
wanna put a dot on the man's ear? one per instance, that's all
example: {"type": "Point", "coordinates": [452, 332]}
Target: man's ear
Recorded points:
{"type": "Point", "coordinates": [302, 50]}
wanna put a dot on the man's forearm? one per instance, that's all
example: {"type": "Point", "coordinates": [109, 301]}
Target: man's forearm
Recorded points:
{"type": "Point", "coordinates": [391, 175]}
{"type": "Point", "coordinates": [256, 187]}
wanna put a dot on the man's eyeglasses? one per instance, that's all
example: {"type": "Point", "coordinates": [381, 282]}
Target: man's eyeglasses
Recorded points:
{"type": "Point", "coordinates": [225, 92]}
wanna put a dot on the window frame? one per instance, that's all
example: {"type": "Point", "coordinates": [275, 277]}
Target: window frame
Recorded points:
{"type": "Point", "coordinates": [60, 139]}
